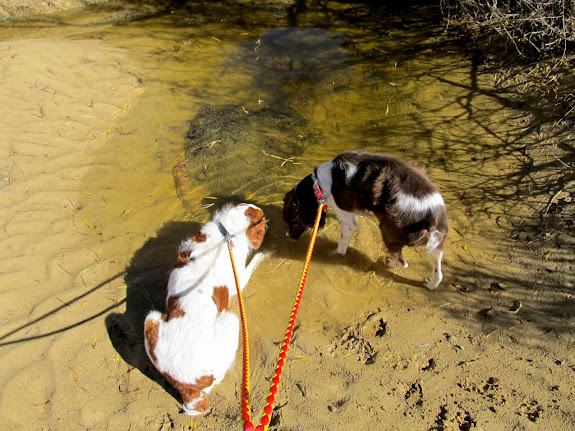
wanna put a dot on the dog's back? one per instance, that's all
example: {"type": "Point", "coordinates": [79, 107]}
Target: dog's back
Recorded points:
{"type": "Point", "coordinates": [193, 343]}
{"type": "Point", "coordinates": [391, 189]}
{"type": "Point", "coordinates": [379, 183]}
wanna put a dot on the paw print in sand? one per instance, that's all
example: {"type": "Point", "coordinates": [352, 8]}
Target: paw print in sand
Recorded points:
{"type": "Point", "coordinates": [355, 338]}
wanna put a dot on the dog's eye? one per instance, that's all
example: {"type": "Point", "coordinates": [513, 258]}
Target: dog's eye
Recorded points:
{"type": "Point", "coordinates": [292, 216]}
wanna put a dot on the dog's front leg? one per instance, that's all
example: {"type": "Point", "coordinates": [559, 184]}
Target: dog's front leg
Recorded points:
{"type": "Point", "coordinates": [244, 276]}
{"type": "Point", "coordinates": [348, 227]}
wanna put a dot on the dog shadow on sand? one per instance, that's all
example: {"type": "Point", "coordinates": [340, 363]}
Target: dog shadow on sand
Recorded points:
{"type": "Point", "coordinates": [146, 280]}
{"type": "Point", "coordinates": [325, 254]}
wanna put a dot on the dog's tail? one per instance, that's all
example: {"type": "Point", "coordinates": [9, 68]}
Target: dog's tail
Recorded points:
{"type": "Point", "coordinates": [196, 407]}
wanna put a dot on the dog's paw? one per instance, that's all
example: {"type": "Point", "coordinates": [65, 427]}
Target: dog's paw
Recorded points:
{"type": "Point", "coordinates": [332, 252]}
{"type": "Point", "coordinates": [342, 249]}
{"type": "Point", "coordinates": [395, 263]}
{"type": "Point", "coordinates": [432, 283]}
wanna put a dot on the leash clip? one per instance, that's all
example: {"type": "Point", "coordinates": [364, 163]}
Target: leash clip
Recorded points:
{"type": "Point", "coordinates": [227, 236]}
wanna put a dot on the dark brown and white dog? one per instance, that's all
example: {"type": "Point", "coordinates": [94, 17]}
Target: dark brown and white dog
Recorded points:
{"type": "Point", "coordinates": [409, 208]}
{"type": "Point", "coordinates": [194, 342]}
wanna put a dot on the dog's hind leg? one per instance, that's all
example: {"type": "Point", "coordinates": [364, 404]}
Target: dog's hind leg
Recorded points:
{"type": "Point", "coordinates": [151, 333]}
{"type": "Point", "coordinates": [437, 275]}
{"type": "Point", "coordinates": [393, 243]}
{"type": "Point", "coordinates": [435, 250]}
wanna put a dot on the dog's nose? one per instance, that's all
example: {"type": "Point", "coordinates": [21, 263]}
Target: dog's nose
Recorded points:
{"type": "Point", "coordinates": [289, 238]}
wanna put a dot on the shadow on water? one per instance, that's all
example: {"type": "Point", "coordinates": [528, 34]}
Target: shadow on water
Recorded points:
{"type": "Point", "coordinates": [483, 138]}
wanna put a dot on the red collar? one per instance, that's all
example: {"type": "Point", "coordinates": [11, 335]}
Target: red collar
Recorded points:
{"type": "Point", "coordinates": [317, 190]}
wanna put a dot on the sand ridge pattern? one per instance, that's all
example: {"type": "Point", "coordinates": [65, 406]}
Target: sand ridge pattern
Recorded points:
{"type": "Point", "coordinates": [60, 101]}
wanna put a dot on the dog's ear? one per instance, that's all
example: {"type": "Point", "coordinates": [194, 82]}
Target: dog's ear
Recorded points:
{"type": "Point", "coordinates": [257, 228]}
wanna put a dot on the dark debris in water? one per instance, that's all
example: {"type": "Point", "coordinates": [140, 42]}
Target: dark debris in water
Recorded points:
{"type": "Point", "coordinates": [218, 130]}
{"type": "Point", "coordinates": [225, 146]}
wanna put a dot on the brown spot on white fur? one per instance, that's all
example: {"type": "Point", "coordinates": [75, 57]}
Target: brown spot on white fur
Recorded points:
{"type": "Point", "coordinates": [193, 392]}
{"type": "Point", "coordinates": [199, 237]}
{"type": "Point", "coordinates": [183, 258]}
{"type": "Point", "coordinates": [173, 308]}
{"type": "Point", "coordinates": [221, 298]}
{"type": "Point", "coordinates": [184, 255]}
{"type": "Point", "coordinates": [152, 333]}
{"type": "Point", "coordinates": [258, 226]}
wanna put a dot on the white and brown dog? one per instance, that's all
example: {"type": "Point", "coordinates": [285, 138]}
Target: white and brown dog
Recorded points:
{"type": "Point", "coordinates": [194, 342]}
{"type": "Point", "coordinates": [409, 208]}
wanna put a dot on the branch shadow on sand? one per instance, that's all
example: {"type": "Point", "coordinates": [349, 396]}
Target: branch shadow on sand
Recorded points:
{"type": "Point", "coordinates": [54, 311]}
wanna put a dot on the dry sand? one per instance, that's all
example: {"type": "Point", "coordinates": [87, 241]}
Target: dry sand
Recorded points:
{"type": "Point", "coordinates": [492, 349]}
{"type": "Point", "coordinates": [18, 8]}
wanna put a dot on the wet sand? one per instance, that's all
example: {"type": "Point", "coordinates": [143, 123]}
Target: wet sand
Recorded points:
{"type": "Point", "coordinates": [91, 217]}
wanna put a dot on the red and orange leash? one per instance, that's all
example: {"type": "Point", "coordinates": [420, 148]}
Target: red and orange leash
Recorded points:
{"type": "Point", "coordinates": [245, 395]}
